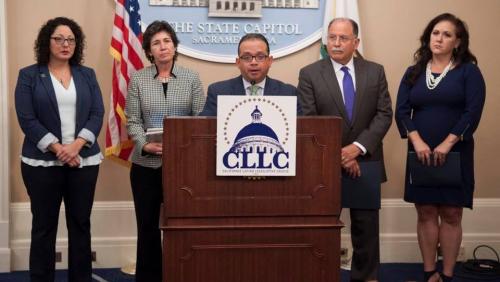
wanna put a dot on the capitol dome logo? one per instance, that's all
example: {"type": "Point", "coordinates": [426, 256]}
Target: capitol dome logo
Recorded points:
{"type": "Point", "coordinates": [266, 145]}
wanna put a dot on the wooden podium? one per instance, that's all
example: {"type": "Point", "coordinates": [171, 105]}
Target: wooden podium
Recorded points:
{"type": "Point", "coordinates": [236, 229]}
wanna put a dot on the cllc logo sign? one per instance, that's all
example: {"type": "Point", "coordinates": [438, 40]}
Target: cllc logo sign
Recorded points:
{"type": "Point", "coordinates": [256, 147]}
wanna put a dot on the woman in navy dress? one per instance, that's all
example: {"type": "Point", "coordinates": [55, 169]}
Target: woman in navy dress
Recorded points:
{"type": "Point", "coordinates": [438, 108]}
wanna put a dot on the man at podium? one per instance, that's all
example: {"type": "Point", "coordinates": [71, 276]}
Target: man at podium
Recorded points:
{"type": "Point", "coordinates": [356, 90]}
{"type": "Point", "coordinates": [254, 61]}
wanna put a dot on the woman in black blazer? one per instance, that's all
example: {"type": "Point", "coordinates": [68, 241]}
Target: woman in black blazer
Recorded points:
{"type": "Point", "coordinates": [60, 110]}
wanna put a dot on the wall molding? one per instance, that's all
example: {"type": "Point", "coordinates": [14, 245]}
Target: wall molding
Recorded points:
{"type": "Point", "coordinates": [5, 251]}
{"type": "Point", "coordinates": [114, 232]}
{"type": "Point", "coordinates": [398, 238]}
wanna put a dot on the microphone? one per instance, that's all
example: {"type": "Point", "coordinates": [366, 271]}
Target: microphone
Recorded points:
{"type": "Point", "coordinates": [252, 82]}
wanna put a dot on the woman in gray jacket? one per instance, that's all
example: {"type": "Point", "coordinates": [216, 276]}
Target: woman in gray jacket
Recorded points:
{"type": "Point", "coordinates": [159, 90]}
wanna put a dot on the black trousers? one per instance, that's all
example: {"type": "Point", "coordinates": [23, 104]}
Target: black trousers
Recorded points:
{"type": "Point", "coordinates": [47, 187]}
{"type": "Point", "coordinates": [148, 195]}
{"type": "Point", "coordinates": [365, 244]}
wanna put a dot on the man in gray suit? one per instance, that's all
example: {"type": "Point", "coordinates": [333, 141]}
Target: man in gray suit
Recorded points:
{"type": "Point", "coordinates": [254, 62]}
{"type": "Point", "coordinates": [356, 90]}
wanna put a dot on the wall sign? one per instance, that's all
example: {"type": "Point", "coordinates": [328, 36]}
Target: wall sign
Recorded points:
{"type": "Point", "coordinates": [211, 29]}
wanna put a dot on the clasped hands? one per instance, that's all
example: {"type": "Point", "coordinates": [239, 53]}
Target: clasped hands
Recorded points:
{"type": "Point", "coordinates": [69, 153]}
{"type": "Point", "coordinates": [348, 161]}
{"type": "Point", "coordinates": [436, 157]}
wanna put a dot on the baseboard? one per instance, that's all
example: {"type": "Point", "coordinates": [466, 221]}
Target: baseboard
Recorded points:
{"type": "Point", "coordinates": [398, 238]}
{"type": "Point", "coordinates": [5, 252]}
{"type": "Point", "coordinates": [113, 235]}
{"type": "Point", "coordinates": [5, 255]}
{"type": "Point", "coordinates": [114, 232]}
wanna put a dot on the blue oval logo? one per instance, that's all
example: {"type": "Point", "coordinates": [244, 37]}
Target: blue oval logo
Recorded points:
{"type": "Point", "coordinates": [211, 29]}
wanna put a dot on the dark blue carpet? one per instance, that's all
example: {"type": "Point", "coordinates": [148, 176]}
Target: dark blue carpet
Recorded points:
{"type": "Point", "coordinates": [389, 272]}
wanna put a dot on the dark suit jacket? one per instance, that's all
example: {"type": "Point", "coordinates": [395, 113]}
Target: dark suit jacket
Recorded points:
{"type": "Point", "coordinates": [38, 113]}
{"type": "Point", "coordinates": [234, 86]}
{"type": "Point", "coordinates": [319, 94]}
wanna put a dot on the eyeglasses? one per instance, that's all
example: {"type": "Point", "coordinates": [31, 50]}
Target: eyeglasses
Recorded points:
{"type": "Point", "coordinates": [341, 38]}
{"type": "Point", "coordinates": [60, 40]}
{"type": "Point", "coordinates": [249, 58]}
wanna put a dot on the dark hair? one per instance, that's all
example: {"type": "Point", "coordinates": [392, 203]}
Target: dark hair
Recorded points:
{"type": "Point", "coordinates": [152, 30]}
{"type": "Point", "coordinates": [42, 42]}
{"type": "Point", "coordinates": [252, 36]}
{"type": "Point", "coordinates": [423, 55]}
{"type": "Point", "coordinates": [355, 28]}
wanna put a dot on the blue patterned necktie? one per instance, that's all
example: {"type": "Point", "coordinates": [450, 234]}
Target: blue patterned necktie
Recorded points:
{"type": "Point", "coordinates": [349, 93]}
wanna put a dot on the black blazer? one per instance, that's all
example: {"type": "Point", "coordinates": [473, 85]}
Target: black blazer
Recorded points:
{"type": "Point", "coordinates": [38, 113]}
{"type": "Point", "coordinates": [234, 86]}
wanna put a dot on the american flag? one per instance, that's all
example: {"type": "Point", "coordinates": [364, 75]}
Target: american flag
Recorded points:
{"type": "Point", "coordinates": [125, 49]}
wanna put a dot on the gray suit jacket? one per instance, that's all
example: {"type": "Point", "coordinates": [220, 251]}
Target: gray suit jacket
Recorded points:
{"type": "Point", "coordinates": [319, 94]}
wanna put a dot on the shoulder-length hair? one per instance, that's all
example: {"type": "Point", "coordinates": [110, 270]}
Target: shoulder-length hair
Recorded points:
{"type": "Point", "coordinates": [42, 42]}
{"type": "Point", "coordinates": [423, 55]}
